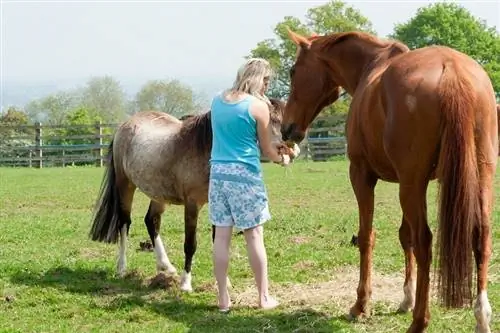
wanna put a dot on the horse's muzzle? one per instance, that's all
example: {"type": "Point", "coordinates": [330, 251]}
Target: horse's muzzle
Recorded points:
{"type": "Point", "coordinates": [290, 132]}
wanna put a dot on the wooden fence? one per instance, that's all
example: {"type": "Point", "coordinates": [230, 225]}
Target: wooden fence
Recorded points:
{"type": "Point", "coordinates": [63, 145]}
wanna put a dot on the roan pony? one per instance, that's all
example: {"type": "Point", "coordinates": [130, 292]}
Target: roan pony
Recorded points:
{"type": "Point", "coordinates": [168, 160]}
{"type": "Point", "coordinates": [415, 116]}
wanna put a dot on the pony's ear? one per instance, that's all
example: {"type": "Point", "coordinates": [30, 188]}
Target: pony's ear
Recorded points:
{"type": "Point", "coordinates": [299, 40]}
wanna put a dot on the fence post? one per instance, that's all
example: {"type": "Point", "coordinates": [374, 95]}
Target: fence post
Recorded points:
{"type": "Point", "coordinates": [98, 143]}
{"type": "Point", "coordinates": [38, 144]}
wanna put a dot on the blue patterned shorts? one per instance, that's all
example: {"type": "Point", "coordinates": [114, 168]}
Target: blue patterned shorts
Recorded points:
{"type": "Point", "coordinates": [237, 197]}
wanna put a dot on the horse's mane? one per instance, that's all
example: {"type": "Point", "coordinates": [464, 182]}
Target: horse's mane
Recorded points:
{"type": "Point", "coordinates": [330, 40]}
{"type": "Point", "coordinates": [199, 129]}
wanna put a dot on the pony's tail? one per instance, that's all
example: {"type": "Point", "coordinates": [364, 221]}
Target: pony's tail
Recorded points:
{"type": "Point", "coordinates": [106, 225]}
{"type": "Point", "coordinates": [459, 192]}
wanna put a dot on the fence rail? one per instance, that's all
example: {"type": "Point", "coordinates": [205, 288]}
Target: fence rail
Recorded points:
{"type": "Point", "coordinates": [62, 145]}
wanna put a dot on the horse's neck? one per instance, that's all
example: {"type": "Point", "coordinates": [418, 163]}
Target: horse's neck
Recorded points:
{"type": "Point", "coordinates": [353, 62]}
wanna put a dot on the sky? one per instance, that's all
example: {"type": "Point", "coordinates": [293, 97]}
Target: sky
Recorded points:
{"type": "Point", "coordinates": [73, 40]}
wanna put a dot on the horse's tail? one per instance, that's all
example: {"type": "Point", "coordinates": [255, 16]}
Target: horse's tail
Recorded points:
{"type": "Point", "coordinates": [459, 205]}
{"type": "Point", "coordinates": [106, 225]}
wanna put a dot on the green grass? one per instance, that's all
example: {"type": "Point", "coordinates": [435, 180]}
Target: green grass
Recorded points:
{"type": "Point", "coordinates": [57, 280]}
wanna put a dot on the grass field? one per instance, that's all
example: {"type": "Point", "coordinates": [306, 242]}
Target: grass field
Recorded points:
{"type": "Point", "coordinates": [53, 279]}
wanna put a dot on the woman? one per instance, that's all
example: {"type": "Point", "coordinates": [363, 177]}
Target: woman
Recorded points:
{"type": "Point", "coordinates": [237, 194]}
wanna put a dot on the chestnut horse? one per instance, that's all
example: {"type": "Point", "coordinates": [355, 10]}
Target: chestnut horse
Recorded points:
{"type": "Point", "coordinates": [415, 116]}
{"type": "Point", "coordinates": [168, 160]}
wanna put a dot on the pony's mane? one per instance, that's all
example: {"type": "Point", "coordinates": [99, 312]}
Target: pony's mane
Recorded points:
{"type": "Point", "coordinates": [276, 114]}
{"type": "Point", "coordinates": [199, 129]}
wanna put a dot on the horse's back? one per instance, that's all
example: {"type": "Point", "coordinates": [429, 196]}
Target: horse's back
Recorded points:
{"type": "Point", "coordinates": [419, 91]}
{"type": "Point", "coordinates": [398, 113]}
{"type": "Point", "coordinates": [143, 151]}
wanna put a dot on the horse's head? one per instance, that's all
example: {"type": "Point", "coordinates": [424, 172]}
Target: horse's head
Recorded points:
{"type": "Point", "coordinates": [311, 89]}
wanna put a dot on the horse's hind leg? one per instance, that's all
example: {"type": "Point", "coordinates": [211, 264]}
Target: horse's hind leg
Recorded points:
{"type": "Point", "coordinates": [153, 224]}
{"type": "Point", "coordinates": [410, 284]}
{"type": "Point", "coordinates": [191, 211]}
{"type": "Point", "coordinates": [126, 192]}
{"type": "Point", "coordinates": [482, 249]}
{"type": "Point", "coordinates": [412, 196]}
{"type": "Point", "coordinates": [363, 183]}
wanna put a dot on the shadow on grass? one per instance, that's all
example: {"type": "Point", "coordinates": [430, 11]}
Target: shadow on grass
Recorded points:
{"type": "Point", "coordinates": [195, 311]}
{"type": "Point", "coordinates": [81, 281]}
{"type": "Point", "coordinates": [207, 319]}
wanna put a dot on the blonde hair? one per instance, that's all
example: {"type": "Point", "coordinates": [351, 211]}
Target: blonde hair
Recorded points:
{"type": "Point", "coordinates": [250, 78]}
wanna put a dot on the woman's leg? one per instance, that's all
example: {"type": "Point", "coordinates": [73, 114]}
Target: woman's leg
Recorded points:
{"type": "Point", "coordinates": [221, 245]}
{"type": "Point", "coordinates": [258, 261]}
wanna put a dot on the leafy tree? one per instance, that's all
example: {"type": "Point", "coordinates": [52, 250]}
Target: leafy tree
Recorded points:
{"type": "Point", "coordinates": [334, 16]}
{"type": "Point", "coordinates": [451, 25]}
{"type": "Point", "coordinates": [52, 109]}
{"type": "Point", "coordinates": [106, 97]}
{"type": "Point", "coordinates": [77, 117]}
{"type": "Point", "coordinates": [11, 135]}
{"type": "Point", "coordinates": [171, 97]}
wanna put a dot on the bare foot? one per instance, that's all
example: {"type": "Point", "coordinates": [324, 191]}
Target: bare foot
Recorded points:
{"type": "Point", "coordinates": [268, 303]}
{"type": "Point", "coordinates": [224, 301]}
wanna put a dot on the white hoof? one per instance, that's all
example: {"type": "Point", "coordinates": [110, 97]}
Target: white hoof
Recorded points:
{"type": "Point", "coordinates": [166, 267]}
{"type": "Point", "coordinates": [408, 302]}
{"type": "Point", "coordinates": [482, 312]}
{"type": "Point", "coordinates": [186, 282]}
{"type": "Point", "coordinates": [121, 268]}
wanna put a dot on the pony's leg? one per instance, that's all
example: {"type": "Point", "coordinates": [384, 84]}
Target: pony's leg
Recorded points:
{"type": "Point", "coordinates": [482, 249]}
{"type": "Point", "coordinates": [153, 224]}
{"type": "Point", "coordinates": [412, 196]}
{"type": "Point", "coordinates": [363, 184]}
{"type": "Point", "coordinates": [410, 283]}
{"type": "Point", "coordinates": [126, 191]}
{"type": "Point", "coordinates": [191, 210]}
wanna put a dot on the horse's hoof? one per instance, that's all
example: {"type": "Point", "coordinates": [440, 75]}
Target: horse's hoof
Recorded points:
{"type": "Point", "coordinates": [166, 268]}
{"type": "Point", "coordinates": [186, 282]}
{"type": "Point", "coordinates": [351, 318]}
{"type": "Point", "coordinates": [356, 315]}
{"type": "Point", "coordinates": [404, 308]}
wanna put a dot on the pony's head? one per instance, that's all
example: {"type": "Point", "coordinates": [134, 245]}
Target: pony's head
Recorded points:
{"type": "Point", "coordinates": [276, 119]}
{"type": "Point", "coordinates": [311, 89]}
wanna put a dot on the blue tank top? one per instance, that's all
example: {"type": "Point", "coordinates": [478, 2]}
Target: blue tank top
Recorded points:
{"type": "Point", "coordinates": [234, 133]}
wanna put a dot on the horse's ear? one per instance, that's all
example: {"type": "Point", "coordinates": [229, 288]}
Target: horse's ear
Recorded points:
{"type": "Point", "coordinates": [299, 40]}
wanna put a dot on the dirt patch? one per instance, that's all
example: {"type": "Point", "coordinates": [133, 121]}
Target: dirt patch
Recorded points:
{"type": "Point", "coordinates": [340, 291]}
{"type": "Point", "coordinates": [90, 253]}
{"type": "Point", "coordinates": [164, 281]}
{"type": "Point", "coordinates": [300, 240]}
{"type": "Point", "coordinates": [304, 264]}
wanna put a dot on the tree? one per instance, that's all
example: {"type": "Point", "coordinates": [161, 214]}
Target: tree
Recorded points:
{"type": "Point", "coordinates": [171, 97]}
{"type": "Point", "coordinates": [52, 109]}
{"type": "Point", "coordinates": [334, 16]}
{"type": "Point", "coordinates": [451, 25]}
{"type": "Point", "coordinates": [105, 96]}
{"type": "Point", "coordinates": [12, 135]}
{"type": "Point", "coordinates": [77, 117]}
